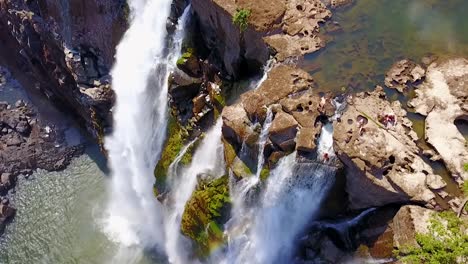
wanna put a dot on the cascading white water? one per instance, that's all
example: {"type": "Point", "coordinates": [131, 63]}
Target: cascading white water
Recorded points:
{"type": "Point", "coordinates": [266, 232]}
{"type": "Point", "coordinates": [325, 151]}
{"type": "Point", "coordinates": [208, 159]}
{"type": "Point", "coordinates": [262, 141]}
{"type": "Point", "coordinates": [139, 79]}
{"type": "Point", "coordinates": [266, 69]}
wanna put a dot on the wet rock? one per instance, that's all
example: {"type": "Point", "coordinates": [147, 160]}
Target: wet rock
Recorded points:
{"type": "Point", "coordinates": [182, 86]}
{"type": "Point", "coordinates": [190, 64]}
{"type": "Point", "coordinates": [23, 127]}
{"type": "Point", "coordinates": [383, 160]}
{"type": "Point", "coordinates": [404, 73]}
{"type": "Point", "coordinates": [305, 140]}
{"type": "Point", "coordinates": [282, 81]}
{"type": "Point", "coordinates": [237, 128]}
{"type": "Point", "coordinates": [283, 131]}
{"type": "Point", "coordinates": [442, 98]}
{"type": "Point", "coordinates": [19, 103]}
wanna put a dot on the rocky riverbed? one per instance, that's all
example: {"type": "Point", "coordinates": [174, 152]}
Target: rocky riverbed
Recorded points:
{"type": "Point", "coordinates": [27, 143]}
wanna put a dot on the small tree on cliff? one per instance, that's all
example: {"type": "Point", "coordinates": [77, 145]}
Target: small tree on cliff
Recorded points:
{"type": "Point", "coordinates": [241, 18]}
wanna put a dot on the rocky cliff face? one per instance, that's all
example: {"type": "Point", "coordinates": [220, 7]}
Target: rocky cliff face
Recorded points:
{"type": "Point", "coordinates": [286, 29]}
{"type": "Point", "coordinates": [66, 49]}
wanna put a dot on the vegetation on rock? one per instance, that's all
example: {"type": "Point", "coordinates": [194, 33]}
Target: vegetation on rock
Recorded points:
{"type": "Point", "coordinates": [264, 174]}
{"type": "Point", "coordinates": [185, 56]}
{"type": "Point", "coordinates": [205, 214]}
{"type": "Point", "coordinates": [177, 136]}
{"type": "Point", "coordinates": [241, 18]}
{"type": "Point", "coordinates": [446, 242]}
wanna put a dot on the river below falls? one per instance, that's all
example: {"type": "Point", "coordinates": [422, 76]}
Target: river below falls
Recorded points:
{"type": "Point", "coordinates": [58, 217]}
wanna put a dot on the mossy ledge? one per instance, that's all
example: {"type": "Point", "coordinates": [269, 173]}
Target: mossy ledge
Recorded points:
{"type": "Point", "coordinates": [205, 214]}
{"type": "Point", "coordinates": [177, 138]}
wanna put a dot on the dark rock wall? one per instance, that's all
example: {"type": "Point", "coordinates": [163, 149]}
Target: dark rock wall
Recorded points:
{"type": "Point", "coordinates": [66, 49]}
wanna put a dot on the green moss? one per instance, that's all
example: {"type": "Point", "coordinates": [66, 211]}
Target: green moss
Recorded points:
{"type": "Point", "coordinates": [465, 188]}
{"type": "Point", "coordinates": [241, 18]}
{"type": "Point", "coordinates": [175, 142]}
{"type": "Point", "coordinates": [205, 213]}
{"type": "Point", "coordinates": [185, 56]}
{"type": "Point", "coordinates": [446, 242]}
{"type": "Point", "coordinates": [264, 174]}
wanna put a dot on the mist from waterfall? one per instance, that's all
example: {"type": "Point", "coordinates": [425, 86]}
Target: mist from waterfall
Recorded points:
{"type": "Point", "coordinates": [133, 217]}
{"type": "Point", "coordinates": [265, 232]}
{"type": "Point", "coordinates": [207, 160]}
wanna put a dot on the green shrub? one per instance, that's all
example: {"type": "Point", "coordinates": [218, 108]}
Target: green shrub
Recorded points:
{"type": "Point", "coordinates": [445, 243]}
{"type": "Point", "coordinates": [241, 18]}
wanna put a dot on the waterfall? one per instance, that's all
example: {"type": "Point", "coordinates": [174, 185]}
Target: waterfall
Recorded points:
{"type": "Point", "coordinates": [207, 159]}
{"type": "Point", "coordinates": [266, 232]}
{"type": "Point", "coordinates": [262, 141]}
{"type": "Point", "coordinates": [133, 216]}
{"type": "Point", "coordinates": [266, 69]}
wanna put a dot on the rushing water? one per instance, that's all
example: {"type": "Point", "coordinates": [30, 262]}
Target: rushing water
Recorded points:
{"type": "Point", "coordinates": [55, 222]}
{"type": "Point", "coordinates": [208, 159]}
{"type": "Point", "coordinates": [139, 78]}
{"type": "Point", "coordinates": [265, 231]}
{"type": "Point", "coordinates": [375, 34]}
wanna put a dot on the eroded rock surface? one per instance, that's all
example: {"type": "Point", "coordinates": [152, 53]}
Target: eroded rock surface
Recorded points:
{"type": "Point", "coordinates": [404, 73]}
{"type": "Point", "coordinates": [375, 141]}
{"type": "Point", "coordinates": [443, 98]}
{"type": "Point", "coordinates": [288, 27]}
{"type": "Point", "coordinates": [298, 113]}
{"type": "Point", "coordinates": [26, 145]}
{"type": "Point", "coordinates": [66, 50]}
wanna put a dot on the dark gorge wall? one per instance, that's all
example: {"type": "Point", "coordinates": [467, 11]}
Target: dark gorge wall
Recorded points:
{"type": "Point", "coordinates": [66, 49]}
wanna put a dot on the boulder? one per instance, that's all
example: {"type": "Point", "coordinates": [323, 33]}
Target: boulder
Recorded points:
{"type": "Point", "coordinates": [305, 140]}
{"type": "Point", "coordinates": [283, 131]}
{"type": "Point", "coordinates": [409, 221]}
{"type": "Point", "coordinates": [237, 127]}
{"type": "Point", "coordinates": [376, 142]}
{"type": "Point", "coordinates": [282, 82]}
{"type": "Point", "coordinates": [183, 87]}
{"type": "Point", "coordinates": [443, 98]}
{"type": "Point", "coordinates": [404, 73]}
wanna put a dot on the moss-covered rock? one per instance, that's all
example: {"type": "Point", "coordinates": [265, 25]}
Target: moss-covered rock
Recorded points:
{"type": "Point", "coordinates": [205, 214]}
{"type": "Point", "coordinates": [264, 173]}
{"type": "Point", "coordinates": [234, 163]}
{"type": "Point", "coordinates": [189, 63]}
{"type": "Point", "coordinates": [177, 138]}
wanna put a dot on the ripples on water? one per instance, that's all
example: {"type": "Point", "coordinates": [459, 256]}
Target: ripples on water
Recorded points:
{"type": "Point", "coordinates": [57, 217]}
{"type": "Point", "coordinates": [375, 34]}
